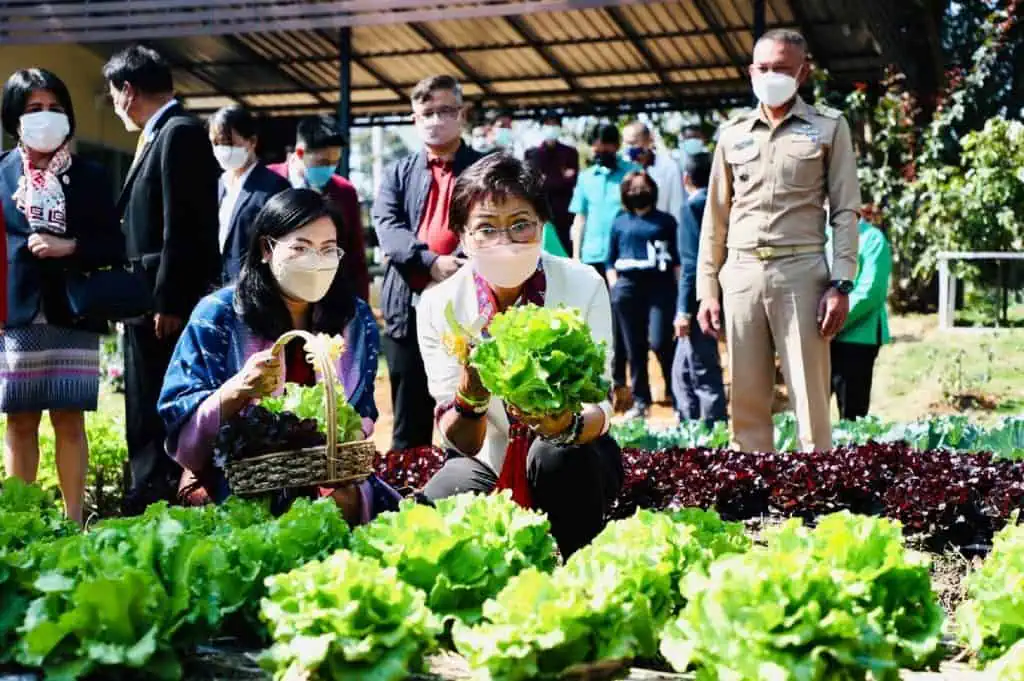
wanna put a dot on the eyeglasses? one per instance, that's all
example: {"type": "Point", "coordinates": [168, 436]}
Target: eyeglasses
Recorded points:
{"type": "Point", "coordinates": [445, 112]}
{"type": "Point", "coordinates": [297, 250]}
{"type": "Point", "coordinates": [519, 233]}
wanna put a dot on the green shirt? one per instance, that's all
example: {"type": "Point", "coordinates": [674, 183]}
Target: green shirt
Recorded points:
{"type": "Point", "coordinates": [868, 321]}
{"type": "Point", "coordinates": [598, 198]}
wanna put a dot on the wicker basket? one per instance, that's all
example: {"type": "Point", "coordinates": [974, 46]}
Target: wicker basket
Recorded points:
{"type": "Point", "coordinates": [329, 464]}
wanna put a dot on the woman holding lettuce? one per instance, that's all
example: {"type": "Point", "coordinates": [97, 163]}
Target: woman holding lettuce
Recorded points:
{"type": "Point", "coordinates": [223, 361]}
{"type": "Point", "coordinates": [573, 467]}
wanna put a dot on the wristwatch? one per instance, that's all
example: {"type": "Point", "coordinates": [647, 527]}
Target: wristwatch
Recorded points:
{"type": "Point", "coordinates": [844, 286]}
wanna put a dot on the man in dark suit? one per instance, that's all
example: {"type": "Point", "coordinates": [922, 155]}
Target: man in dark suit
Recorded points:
{"type": "Point", "coordinates": [696, 368]}
{"type": "Point", "coordinates": [168, 210]}
{"type": "Point", "coordinates": [559, 164]}
{"type": "Point", "coordinates": [312, 165]}
{"type": "Point", "coordinates": [410, 215]}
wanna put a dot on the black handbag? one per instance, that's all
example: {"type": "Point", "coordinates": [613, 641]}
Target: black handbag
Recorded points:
{"type": "Point", "coordinates": [113, 293]}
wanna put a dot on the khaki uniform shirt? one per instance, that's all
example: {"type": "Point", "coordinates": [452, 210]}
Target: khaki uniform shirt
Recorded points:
{"type": "Point", "coordinates": [768, 188]}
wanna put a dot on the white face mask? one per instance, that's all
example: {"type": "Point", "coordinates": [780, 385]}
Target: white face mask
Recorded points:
{"type": "Point", "coordinates": [305, 278]}
{"type": "Point", "coordinates": [551, 133]}
{"type": "Point", "coordinates": [231, 158]}
{"type": "Point", "coordinates": [438, 131]}
{"type": "Point", "coordinates": [121, 111]}
{"type": "Point", "coordinates": [774, 89]}
{"type": "Point", "coordinates": [505, 265]}
{"type": "Point", "coordinates": [44, 131]}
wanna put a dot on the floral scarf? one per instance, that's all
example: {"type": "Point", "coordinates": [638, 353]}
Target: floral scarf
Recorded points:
{"type": "Point", "coordinates": [513, 471]}
{"type": "Point", "coordinates": [40, 195]}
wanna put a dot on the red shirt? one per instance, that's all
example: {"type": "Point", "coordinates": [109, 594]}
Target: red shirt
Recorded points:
{"type": "Point", "coordinates": [433, 228]}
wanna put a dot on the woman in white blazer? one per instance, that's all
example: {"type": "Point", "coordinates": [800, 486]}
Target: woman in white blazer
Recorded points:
{"type": "Point", "coordinates": [573, 467]}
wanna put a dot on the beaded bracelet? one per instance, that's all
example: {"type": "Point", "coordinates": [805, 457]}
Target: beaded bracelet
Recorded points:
{"type": "Point", "coordinates": [468, 408]}
{"type": "Point", "coordinates": [475, 403]}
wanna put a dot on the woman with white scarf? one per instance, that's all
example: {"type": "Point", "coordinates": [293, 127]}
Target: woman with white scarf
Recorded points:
{"type": "Point", "coordinates": [59, 215]}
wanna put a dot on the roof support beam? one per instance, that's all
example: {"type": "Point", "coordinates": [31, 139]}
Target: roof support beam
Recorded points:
{"type": "Point", "coordinates": [374, 73]}
{"type": "Point", "coordinates": [807, 30]}
{"type": "Point", "coordinates": [255, 57]}
{"type": "Point", "coordinates": [453, 57]}
{"type": "Point", "coordinates": [345, 96]}
{"type": "Point", "coordinates": [637, 42]}
{"type": "Point", "coordinates": [527, 34]}
{"type": "Point", "coordinates": [720, 33]}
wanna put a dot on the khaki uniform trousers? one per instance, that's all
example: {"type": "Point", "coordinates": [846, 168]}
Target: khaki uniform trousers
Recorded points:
{"type": "Point", "coordinates": [772, 306]}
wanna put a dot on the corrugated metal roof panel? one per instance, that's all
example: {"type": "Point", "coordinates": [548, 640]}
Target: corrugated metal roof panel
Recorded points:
{"type": "Point", "coordinates": [207, 103]}
{"type": "Point", "coordinates": [594, 23]}
{"type": "Point", "coordinates": [508, 63]}
{"type": "Point", "coordinates": [374, 40]}
{"type": "Point", "coordinates": [530, 86]}
{"type": "Point", "coordinates": [618, 81]}
{"type": "Point", "coordinates": [374, 95]}
{"type": "Point", "coordinates": [412, 70]}
{"type": "Point", "coordinates": [280, 100]}
{"type": "Point", "coordinates": [610, 56]}
{"type": "Point", "coordinates": [473, 32]}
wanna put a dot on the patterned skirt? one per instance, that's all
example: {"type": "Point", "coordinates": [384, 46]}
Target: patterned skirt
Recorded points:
{"type": "Point", "coordinates": [44, 367]}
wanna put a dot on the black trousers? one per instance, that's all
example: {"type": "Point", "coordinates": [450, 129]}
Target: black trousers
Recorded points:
{"type": "Point", "coordinates": [411, 403]}
{"type": "Point", "coordinates": [574, 486]}
{"type": "Point", "coordinates": [645, 308]}
{"type": "Point", "coordinates": [853, 367]}
{"type": "Point", "coordinates": [154, 475]}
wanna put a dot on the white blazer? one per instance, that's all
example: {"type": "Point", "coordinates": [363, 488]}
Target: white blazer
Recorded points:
{"type": "Point", "coordinates": [569, 284]}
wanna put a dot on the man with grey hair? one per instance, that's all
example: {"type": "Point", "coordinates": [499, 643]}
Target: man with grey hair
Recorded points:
{"type": "Point", "coordinates": [410, 215]}
{"type": "Point", "coordinates": [762, 247]}
{"type": "Point", "coordinates": [638, 147]}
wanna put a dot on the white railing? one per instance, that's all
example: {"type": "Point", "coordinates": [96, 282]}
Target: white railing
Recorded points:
{"type": "Point", "coordinates": [948, 282]}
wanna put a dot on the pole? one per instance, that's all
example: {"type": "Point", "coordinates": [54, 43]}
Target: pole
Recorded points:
{"type": "Point", "coordinates": [345, 96]}
{"type": "Point", "coordinates": [759, 19]}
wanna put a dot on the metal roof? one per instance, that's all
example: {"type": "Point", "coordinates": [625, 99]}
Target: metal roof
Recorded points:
{"type": "Point", "coordinates": [580, 56]}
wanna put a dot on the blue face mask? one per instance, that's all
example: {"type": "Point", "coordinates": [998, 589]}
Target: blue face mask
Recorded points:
{"type": "Point", "coordinates": [692, 146]}
{"type": "Point", "coordinates": [319, 176]}
{"type": "Point", "coordinates": [503, 137]}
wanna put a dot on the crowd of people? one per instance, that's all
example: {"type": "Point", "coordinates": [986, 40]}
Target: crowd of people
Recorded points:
{"type": "Point", "coordinates": [758, 243]}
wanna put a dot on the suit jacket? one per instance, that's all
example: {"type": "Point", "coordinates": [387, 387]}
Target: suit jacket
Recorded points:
{"type": "Point", "coordinates": [397, 211]}
{"type": "Point", "coordinates": [261, 184]}
{"type": "Point", "coordinates": [688, 243]}
{"type": "Point", "coordinates": [169, 212]}
{"type": "Point", "coordinates": [40, 283]}
{"type": "Point", "coordinates": [342, 196]}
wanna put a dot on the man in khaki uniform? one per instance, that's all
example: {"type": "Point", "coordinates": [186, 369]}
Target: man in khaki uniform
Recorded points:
{"type": "Point", "coordinates": [762, 248]}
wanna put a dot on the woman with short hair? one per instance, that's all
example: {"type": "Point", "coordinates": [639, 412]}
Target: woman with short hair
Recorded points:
{"type": "Point", "coordinates": [59, 217]}
{"type": "Point", "coordinates": [244, 188]}
{"type": "Point", "coordinates": [574, 468]}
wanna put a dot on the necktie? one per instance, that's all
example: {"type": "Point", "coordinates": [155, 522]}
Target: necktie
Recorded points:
{"type": "Point", "coordinates": [139, 146]}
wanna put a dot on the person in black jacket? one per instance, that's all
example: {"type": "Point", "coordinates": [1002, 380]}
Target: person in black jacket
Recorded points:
{"type": "Point", "coordinates": [410, 215]}
{"type": "Point", "coordinates": [245, 187]}
{"type": "Point", "coordinates": [59, 215]}
{"type": "Point", "coordinates": [169, 217]}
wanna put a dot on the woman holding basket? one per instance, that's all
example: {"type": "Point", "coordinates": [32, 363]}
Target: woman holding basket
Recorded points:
{"type": "Point", "coordinates": [227, 359]}
{"type": "Point", "coordinates": [573, 468]}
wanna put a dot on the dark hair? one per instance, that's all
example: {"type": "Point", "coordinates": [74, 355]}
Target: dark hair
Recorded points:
{"type": "Point", "coordinates": [141, 67]}
{"type": "Point", "coordinates": [428, 86]}
{"type": "Point", "coordinates": [234, 118]}
{"type": "Point", "coordinates": [698, 168]}
{"type": "Point", "coordinates": [23, 83]}
{"type": "Point", "coordinates": [605, 133]}
{"type": "Point", "coordinates": [551, 118]}
{"type": "Point", "coordinates": [628, 180]}
{"type": "Point", "coordinates": [319, 132]}
{"type": "Point", "coordinates": [258, 298]}
{"type": "Point", "coordinates": [496, 176]}
{"type": "Point", "coordinates": [693, 131]}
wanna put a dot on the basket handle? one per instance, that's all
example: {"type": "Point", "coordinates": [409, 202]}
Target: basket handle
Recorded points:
{"type": "Point", "coordinates": [318, 354]}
